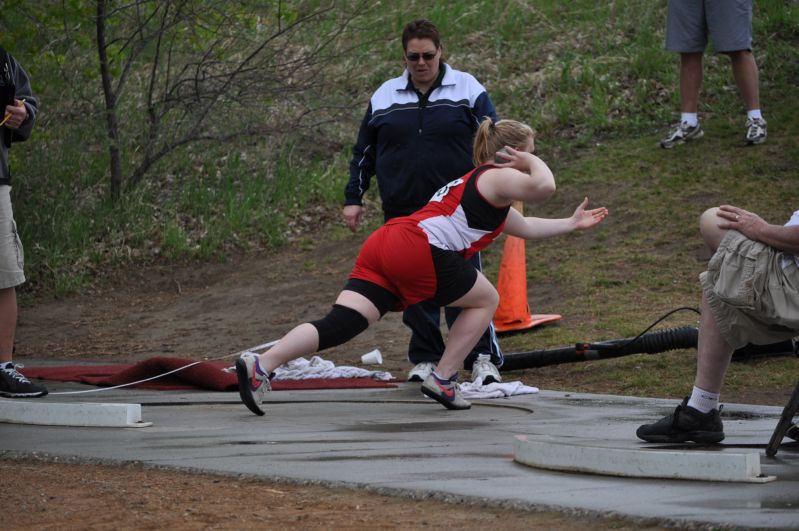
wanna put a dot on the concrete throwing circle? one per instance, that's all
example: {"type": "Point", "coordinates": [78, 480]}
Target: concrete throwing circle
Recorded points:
{"type": "Point", "coordinates": [558, 454]}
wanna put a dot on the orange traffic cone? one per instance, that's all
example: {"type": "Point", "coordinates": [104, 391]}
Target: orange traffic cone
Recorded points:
{"type": "Point", "coordinates": [513, 312]}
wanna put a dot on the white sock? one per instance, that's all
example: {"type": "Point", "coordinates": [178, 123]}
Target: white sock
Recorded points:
{"type": "Point", "coordinates": [690, 118]}
{"type": "Point", "coordinates": [703, 401]}
{"type": "Point", "coordinates": [754, 114]}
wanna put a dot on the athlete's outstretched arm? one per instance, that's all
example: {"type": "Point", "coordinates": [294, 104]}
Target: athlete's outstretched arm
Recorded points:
{"type": "Point", "coordinates": [532, 228]}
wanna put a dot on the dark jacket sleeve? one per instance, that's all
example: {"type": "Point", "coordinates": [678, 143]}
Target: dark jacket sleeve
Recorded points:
{"type": "Point", "coordinates": [483, 107]}
{"type": "Point", "coordinates": [362, 165]}
{"type": "Point", "coordinates": [23, 86]}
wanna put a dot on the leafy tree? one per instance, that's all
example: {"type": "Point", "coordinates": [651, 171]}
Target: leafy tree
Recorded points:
{"type": "Point", "coordinates": [175, 72]}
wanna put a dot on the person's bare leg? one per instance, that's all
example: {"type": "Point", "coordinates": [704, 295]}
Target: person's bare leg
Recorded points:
{"type": "Point", "coordinates": [477, 310]}
{"type": "Point", "coordinates": [8, 322]}
{"type": "Point", "coordinates": [303, 340]}
{"type": "Point", "coordinates": [745, 71]}
{"type": "Point", "coordinates": [713, 352]}
{"type": "Point", "coordinates": [690, 81]}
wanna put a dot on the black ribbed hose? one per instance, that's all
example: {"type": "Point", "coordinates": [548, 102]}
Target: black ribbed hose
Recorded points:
{"type": "Point", "coordinates": [650, 343]}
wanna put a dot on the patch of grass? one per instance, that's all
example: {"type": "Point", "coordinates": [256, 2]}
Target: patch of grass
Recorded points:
{"type": "Point", "coordinates": [175, 240]}
{"type": "Point", "coordinates": [592, 78]}
{"type": "Point", "coordinates": [644, 261]}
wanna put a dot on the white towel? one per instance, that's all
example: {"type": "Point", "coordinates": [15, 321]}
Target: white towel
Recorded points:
{"type": "Point", "coordinates": [495, 390]}
{"type": "Point", "coordinates": [316, 367]}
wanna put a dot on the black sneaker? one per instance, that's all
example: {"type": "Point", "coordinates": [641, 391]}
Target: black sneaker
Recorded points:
{"type": "Point", "coordinates": [793, 432]}
{"type": "Point", "coordinates": [14, 385]}
{"type": "Point", "coordinates": [685, 424]}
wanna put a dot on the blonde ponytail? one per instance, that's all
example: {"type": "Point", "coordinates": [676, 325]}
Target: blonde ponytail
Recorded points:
{"type": "Point", "coordinates": [492, 136]}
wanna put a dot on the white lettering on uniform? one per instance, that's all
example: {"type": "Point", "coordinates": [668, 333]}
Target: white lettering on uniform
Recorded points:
{"type": "Point", "coordinates": [444, 190]}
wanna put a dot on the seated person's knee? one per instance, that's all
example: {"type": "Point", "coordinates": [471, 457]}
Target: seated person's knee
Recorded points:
{"type": "Point", "coordinates": [708, 227]}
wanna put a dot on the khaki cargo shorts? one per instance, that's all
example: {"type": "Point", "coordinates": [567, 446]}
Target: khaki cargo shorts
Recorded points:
{"type": "Point", "coordinates": [753, 298]}
{"type": "Point", "coordinates": [12, 257]}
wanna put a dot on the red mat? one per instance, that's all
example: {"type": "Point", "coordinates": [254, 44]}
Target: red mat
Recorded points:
{"type": "Point", "coordinates": [207, 375]}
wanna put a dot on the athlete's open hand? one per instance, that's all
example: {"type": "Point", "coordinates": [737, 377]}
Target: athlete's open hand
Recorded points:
{"type": "Point", "coordinates": [585, 219]}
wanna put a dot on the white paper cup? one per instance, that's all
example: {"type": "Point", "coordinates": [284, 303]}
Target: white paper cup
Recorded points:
{"type": "Point", "coordinates": [372, 357]}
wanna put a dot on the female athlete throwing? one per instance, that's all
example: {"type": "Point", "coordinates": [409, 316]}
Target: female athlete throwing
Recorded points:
{"type": "Point", "coordinates": [424, 256]}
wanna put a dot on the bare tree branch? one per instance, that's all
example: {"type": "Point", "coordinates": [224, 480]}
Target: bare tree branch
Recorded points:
{"type": "Point", "coordinates": [199, 74]}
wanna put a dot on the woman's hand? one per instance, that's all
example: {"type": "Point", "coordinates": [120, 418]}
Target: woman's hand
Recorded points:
{"type": "Point", "coordinates": [531, 180]}
{"type": "Point", "coordinates": [585, 219]}
{"type": "Point", "coordinates": [518, 160]}
{"type": "Point", "coordinates": [352, 215]}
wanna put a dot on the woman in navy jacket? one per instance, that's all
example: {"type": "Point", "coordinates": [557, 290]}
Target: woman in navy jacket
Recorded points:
{"type": "Point", "coordinates": [416, 136]}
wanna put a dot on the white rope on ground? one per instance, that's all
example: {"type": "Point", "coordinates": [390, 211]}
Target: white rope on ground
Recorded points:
{"type": "Point", "coordinates": [317, 367]}
{"type": "Point", "coordinates": [264, 347]}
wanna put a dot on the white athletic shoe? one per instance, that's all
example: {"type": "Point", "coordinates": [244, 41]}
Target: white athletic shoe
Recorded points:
{"type": "Point", "coordinates": [484, 372]}
{"type": "Point", "coordinates": [680, 134]}
{"type": "Point", "coordinates": [448, 395]}
{"type": "Point", "coordinates": [755, 131]}
{"type": "Point", "coordinates": [421, 371]}
{"type": "Point", "coordinates": [253, 382]}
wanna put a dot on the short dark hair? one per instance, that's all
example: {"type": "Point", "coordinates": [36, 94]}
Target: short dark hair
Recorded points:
{"type": "Point", "coordinates": [420, 29]}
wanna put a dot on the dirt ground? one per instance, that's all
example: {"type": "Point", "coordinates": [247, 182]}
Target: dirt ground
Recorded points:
{"type": "Point", "coordinates": [47, 495]}
{"type": "Point", "coordinates": [212, 311]}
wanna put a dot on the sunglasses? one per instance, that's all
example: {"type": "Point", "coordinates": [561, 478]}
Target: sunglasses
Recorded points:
{"type": "Point", "coordinates": [414, 57]}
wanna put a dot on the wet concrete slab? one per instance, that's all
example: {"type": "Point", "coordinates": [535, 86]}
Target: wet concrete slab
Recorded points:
{"type": "Point", "coordinates": [398, 442]}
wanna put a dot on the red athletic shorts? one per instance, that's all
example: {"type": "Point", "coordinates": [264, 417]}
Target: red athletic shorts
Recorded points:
{"type": "Point", "coordinates": [399, 258]}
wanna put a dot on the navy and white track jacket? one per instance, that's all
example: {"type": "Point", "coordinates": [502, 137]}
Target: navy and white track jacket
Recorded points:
{"type": "Point", "coordinates": [416, 147]}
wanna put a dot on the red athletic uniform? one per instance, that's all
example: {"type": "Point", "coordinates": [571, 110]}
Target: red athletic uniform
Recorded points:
{"type": "Point", "coordinates": [424, 256]}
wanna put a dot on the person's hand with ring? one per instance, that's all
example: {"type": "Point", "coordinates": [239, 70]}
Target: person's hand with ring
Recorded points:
{"type": "Point", "coordinates": [745, 222]}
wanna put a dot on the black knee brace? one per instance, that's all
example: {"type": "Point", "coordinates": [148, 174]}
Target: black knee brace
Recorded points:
{"type": "Point", "coordinates": [339, 326]}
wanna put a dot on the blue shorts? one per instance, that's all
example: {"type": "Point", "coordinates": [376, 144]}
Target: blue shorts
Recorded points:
{"type": "Point", "coordinates": [729, 23]}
